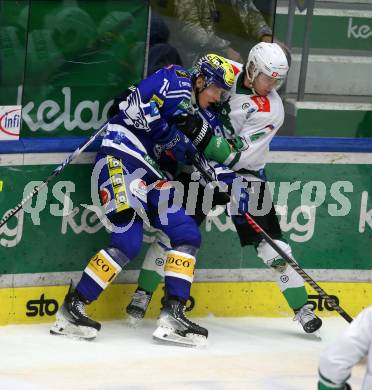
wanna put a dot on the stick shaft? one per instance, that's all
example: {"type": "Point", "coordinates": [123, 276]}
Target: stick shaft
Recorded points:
{"type": "Point", "coordinates": [297, 268]}
{"type": "Point", "coordinates": [198, 162]}
{"type": "Point", "coordinates": [55, 173]}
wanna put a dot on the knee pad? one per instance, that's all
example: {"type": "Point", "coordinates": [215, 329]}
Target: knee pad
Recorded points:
{"type": "Point", "coordinates": [118, 256]}
{"type": "Point", "coordinates": [155, 258]}
{"type": "Point", "coordinates": [156, 254]}
{"type": "Point", "coordinates": [163, 240]}
{"type": "Point", "coordinates": [188, 249]}
{"type": "Point", "coordinates": [271, 258]}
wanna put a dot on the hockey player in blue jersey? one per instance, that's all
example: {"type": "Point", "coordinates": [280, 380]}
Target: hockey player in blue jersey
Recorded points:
{"type": "Point", "coordinates": [133, 190]}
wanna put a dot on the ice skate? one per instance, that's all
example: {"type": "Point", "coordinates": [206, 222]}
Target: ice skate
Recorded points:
{"type": "Point", "coordinates": [137, 307]}
{"type": "Point", "coordinates": [175, 328]}
{"type": "Point", "coordinates": [72, 321]}
{"type": "Point", "coordinates": [309, 321]}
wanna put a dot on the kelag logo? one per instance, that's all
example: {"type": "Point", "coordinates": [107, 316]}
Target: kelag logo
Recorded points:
{"type": "Point", "coordinates": [41, 307]}
{"type": "Point", "coordinates": [321, 304]}
{"type": "Point", "coordinates": [10, 122]}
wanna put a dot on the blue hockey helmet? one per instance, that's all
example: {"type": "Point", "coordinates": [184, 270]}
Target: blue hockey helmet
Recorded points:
{"type": "Point", "coordinates": [215, 69]}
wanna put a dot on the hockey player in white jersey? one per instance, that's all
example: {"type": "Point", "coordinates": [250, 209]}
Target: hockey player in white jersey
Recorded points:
{"type": "Point", "coordinates": [251, 116]}
{"type": "Point", "coordinates": [338, 359]}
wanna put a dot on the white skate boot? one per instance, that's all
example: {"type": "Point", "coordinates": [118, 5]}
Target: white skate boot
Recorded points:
{"type": "Point", "coordinates": [175, 328]}
{"type": "Point", "coordinates": [137, 307]}
{"type": "Point", "coordinates": [306, 317]}
{"type": "Point", "coordinates": [72, 321]}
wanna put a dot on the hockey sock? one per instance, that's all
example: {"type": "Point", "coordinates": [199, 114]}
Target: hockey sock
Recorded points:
{"type": "Point", "coordinates": [101, 270]}
{"type": "Point", "coordinates": [152, 271]}
{"type": "Point", "coordinates": [296, 297]}
{"type": "Point", "coordinates": [289, 281]}
{"type": "Point", "coordinates": [179, 274]}
{"type": "Point", "coordinates": [149, 280]}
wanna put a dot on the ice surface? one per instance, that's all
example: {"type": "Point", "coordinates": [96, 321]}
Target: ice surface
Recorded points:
{"type": "Point", "coordinates": [242, 353]}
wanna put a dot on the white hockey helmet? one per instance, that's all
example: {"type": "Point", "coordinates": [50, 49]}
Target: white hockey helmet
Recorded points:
{"type": "Point", "coordinates": [268, 58]}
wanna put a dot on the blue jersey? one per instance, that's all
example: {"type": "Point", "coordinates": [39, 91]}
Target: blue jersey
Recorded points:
{"type": "Point", "coordinates": [146, 116]}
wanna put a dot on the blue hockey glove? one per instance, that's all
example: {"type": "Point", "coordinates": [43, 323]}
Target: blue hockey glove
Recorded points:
{"type": "Point", "coordinates": [239, 204]}
{"type": "Point", "coordinates": [242, 208]}
{"type": "Point", "coordinates": [243, 202]}
{"type": "Point", "coordinates": [179, 147]}
{"type": "Point", "coordinates": [262, 174]}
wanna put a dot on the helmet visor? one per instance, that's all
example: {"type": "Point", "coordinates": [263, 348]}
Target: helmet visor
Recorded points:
{"type": "Point", "coordinates": [273, 82]}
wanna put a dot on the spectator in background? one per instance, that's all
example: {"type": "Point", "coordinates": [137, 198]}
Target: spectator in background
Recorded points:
{"type": "Point", "coordinates": [219, 27]}
{"type": "Point", "coordinates": [267, 8]}
{"type": "Point", "coordinates": [161, 53]}
{"type": "Point", "coordinates": [337, 360]}
{"type": "Point", "coordinates": [198, 30]}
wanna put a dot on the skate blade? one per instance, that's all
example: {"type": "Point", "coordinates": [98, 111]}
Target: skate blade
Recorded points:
{"type": "Point", "coordinates": [72, 336]}
{"type": "Point", "coordinates": [63, 327]}
{"type": "Point", "coordinates": [133, 322]}
{"type": "Point", "coordinates": [317, 335]}
{"type": "Point", "coordinates": [165, 335]}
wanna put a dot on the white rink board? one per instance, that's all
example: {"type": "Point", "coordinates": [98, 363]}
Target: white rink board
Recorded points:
{"type": "Point", "coordinates": [243, 353]}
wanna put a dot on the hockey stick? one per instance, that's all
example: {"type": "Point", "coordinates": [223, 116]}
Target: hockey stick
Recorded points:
{"type": "Point", "coordinates": [55, 173]}
{"type": "Point", "coordinates": [202, 166]}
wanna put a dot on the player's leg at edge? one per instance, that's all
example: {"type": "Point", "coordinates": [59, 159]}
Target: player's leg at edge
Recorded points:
{"type": "Point", "coordinates": [151, 274]}
{"type": "Point", "coordinates": [291, 285]}
{"type": "Point", "coordinates": [185, 240]}
{"type": "Point", "coordinates": [173, 326]}
{"type": "Point", "coordinates": [104, 266]}
{"type": "Point", "coordinates": [71, 318]}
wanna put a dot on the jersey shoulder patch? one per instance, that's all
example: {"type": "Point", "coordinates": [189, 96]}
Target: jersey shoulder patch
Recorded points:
{"type": "Point", "coordinates": [182, 73]}
{"type": "Point", "coordinates": [182, 79]}
{"type": "Point", "coordinates": [262, 102]}
{"type": "Point", "coordinates": [157, 100]}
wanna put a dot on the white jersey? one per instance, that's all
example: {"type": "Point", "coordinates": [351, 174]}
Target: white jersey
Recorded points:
{"type": "Point", "coordinates": [337, 360]}
{"type": "Point", "coordinates": [254, 118]}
